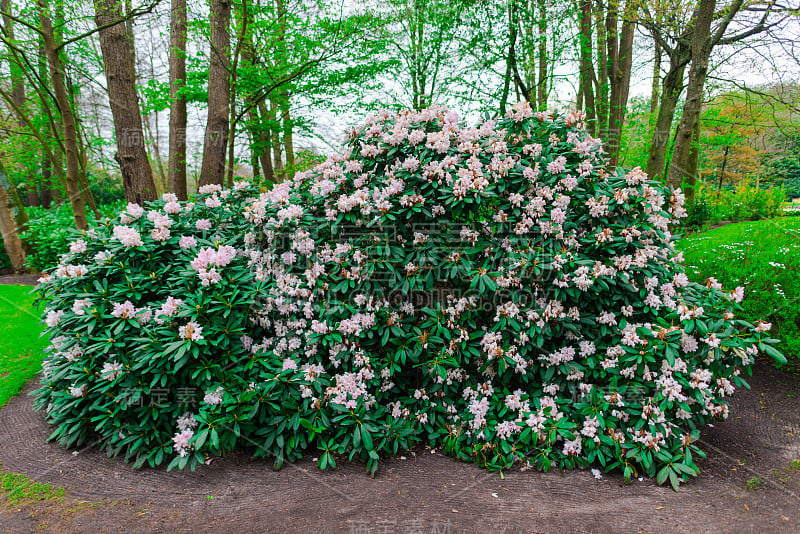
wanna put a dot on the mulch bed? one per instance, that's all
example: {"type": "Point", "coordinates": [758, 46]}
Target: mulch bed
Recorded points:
{"type": "Point", "coordinates": [425, 492]}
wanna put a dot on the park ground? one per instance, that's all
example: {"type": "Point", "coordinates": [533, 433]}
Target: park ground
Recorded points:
{"type": "Point", "coordinates": [750, 481]}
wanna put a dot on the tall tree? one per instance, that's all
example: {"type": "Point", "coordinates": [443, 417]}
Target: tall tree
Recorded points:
{"type": "Point", "coordinates": [17, 90]}
{"type": "Point", "coordinates": [10, 210]}
{"type": "Point", "coordinates": [541, 83]}
{"type": "Point", "coordinates": [674, 39]}
{"type": "Point", "coordinates": [69, 129]}
{"type": "Point", "coordinates": [212, 170]}
{"type": "Point", "coordinates": [116, 43]}
{"type": "Point", "coordinates": [703, 41]}
{"type": "Point", "coordinates": [176, 179]}
{"type": "Point", "coordinates": [701, 49]}
{"type": "Point", "coordinates": [619, 56]}
{"type": "Point", "coordinates": [587, 75]}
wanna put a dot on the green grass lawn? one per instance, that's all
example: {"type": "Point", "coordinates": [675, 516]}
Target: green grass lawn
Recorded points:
{"type": "Point", "coordinates": [20, 344]}
{"type": "Point", "coordinates": [764, 257]}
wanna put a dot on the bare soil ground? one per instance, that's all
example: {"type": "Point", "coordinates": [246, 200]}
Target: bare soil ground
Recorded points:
{"type": "Point", "coordinates": [27, 279]}
{"type": "Point", "coordinates": [747, 485]}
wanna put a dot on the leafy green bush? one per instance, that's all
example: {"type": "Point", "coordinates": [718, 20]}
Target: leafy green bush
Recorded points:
{"type": "Point", "coordinates": [698, 214]}
{"type": "Point", "coordinates": [745, 204]}
{"type": "Point", "coordinates": [489, 290]}
{"type": "Point", "coordinates": [50, 230]}
{"type": "Point", "coordinates": [140, 331]}
{"type": "Point", "coordinates": [764, 257]}
{"type": "Point", "coordinates": [5, 262]}
{"type": "Point", "coordinates": [106, 188]}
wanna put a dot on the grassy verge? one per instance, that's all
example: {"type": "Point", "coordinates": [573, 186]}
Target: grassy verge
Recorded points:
{"type": "Point", "coordinates": [764, 257]}
{"type": "Point", "coordinates": [20, 490]}
{"type": "Point", "coordinates": [20, 344]}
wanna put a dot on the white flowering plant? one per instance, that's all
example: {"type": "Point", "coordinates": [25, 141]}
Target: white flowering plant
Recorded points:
{"type": "Point", "coordinates": [492, 291]}
{"type": "Point", "coordinates": [145, 314]}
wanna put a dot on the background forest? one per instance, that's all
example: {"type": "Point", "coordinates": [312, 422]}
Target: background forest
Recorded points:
{"type": "Point", "coordinates": [104, 102]}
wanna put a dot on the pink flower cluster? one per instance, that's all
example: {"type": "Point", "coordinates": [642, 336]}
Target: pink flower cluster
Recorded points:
{"type": "Point", "coordinates": [208, 260]}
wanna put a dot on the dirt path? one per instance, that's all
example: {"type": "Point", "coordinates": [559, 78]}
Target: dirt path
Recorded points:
{"type": "Point", "coordinates": [20, 279]}
{"type": "Point", "coordinates": [424, 493]}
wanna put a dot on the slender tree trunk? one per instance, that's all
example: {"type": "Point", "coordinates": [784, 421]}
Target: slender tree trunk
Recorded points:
{"type": "Point", "coordinates": [264, 143]}
{"type": "Point", "coordinates": [672, 87]}
{"type": "Point", "coordinates": [587, 68]}
{"type": "Point", "coordinates": [47, 185]}
{"type": "Point", "coordinates": [73, 183]}
{"type": "Point", "coordinates": [261, 143]}
{"type": "Point", "coordinates": [690, 183]}
{"type": "Point", "coordinates": [656, 84]}
{"type": "Point", "coordinates": [151, 136]}
{"type": "Point", "coordinates": [275, 127]}
{"type": "Point", "coordinates": [512, 38]}
{"type": "Point", "coordinates": [254, 162]}
{"type": "Point", "coordinates": [701, 50]}
{"type": "Point", "coordinates": [83, 175]}
{"type": "Point", "coordinates": [288, 138]}
{"type": "Point", "coordinates": [50, 191]}
{"type": "Point", "coordinates": [8, 229]}
{"type": "Point", "coordinates": [541, 84]}
{"type": "Point", "coordinates": [602, 86]}
{"type": "Point", "coordinates": [244, 19]}
{"type": "Point", "coordinates": [116, 43]}
{"type": "Point", "coordinates": [176, 177]}
{"type": "Point", "coordinates": [530, 48]}
{"type": "Point", "coordinates": [18, 93]}
{"type": "Point", "coordinates": [620, 86]}
{"type": "Point", "coordinates": [13, 221]}
{"type": "Point", "coordinates": [722, 169]}
{"type": "Point", "coordinates": [216, 135]}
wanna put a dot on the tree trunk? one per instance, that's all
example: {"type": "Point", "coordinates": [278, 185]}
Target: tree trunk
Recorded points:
{"type": "Point", "coordinates": [264, 142]}
{"type": "Point", "coordinates": [50, 191]}
{"type": "Point", "coordinates": [116, 44]}
{"type": "Point", "coordinates": [670, 93]}
{"type": "Point", "coordinates": [254, 161]}
{"type": "Point", "coordinates": [242, 38]}
{"type": "Point", "coordinates": [275, 127]}
{"type": "Point", "coordinates": [701, 50]}
{"type": "Point", "coordinates": [656, 84]}
{"type": "Point", "coordinates": [73, 183]}
{"type": "Point", "coordinates": [151, 137]}
{"type": "Point", "coordinates": [176, 175]}
{"type": "Point", "coordinates": [10, 210]}
{"type": "Point", "coordinates": [288, 138]}
{"type": "Point", "coordinates": [691, 168]}
{"type": "Point", "coordinates": [18, 94]}
{"type": "Point", "coordinates": [512, 37]}
{"type": "Point", "coordinates": [587, 68]}
{"type": "Point", "coordinates": [530, 48]}
{"type": "Point", "coordinates": [602, 86]}
{"type": "Point", "coordinates": [541, 84]}
{"type": "Point", "coordinates": [620, 88]}
{"type": "Point", "coordinates": [722, 169]}
{"type": "Point", "coordinates": [47, 186]}
{"type": "Point", "coordinates": [212, 170]}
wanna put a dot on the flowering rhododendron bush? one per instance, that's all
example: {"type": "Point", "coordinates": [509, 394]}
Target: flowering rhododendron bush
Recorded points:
{"type": "Point", "coordinates": [145, 316]}
{"type": "Point", "coordinates": [492, 291]}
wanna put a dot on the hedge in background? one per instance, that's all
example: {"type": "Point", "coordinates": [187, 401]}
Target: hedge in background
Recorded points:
{"type": "Point", "coordinates": [50, 231]}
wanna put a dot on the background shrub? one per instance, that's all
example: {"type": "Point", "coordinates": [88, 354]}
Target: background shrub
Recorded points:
{"type": "Point", "coordinates": [698, 214]}
{"type": "Point", "coordinates": [744, 204]}
{"type": "Point", "coordinates": [106, 188]}
{"type": "Point", "coordinates": [50, 230]}
{"type": "Point", "coordinates": [5, 262]}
